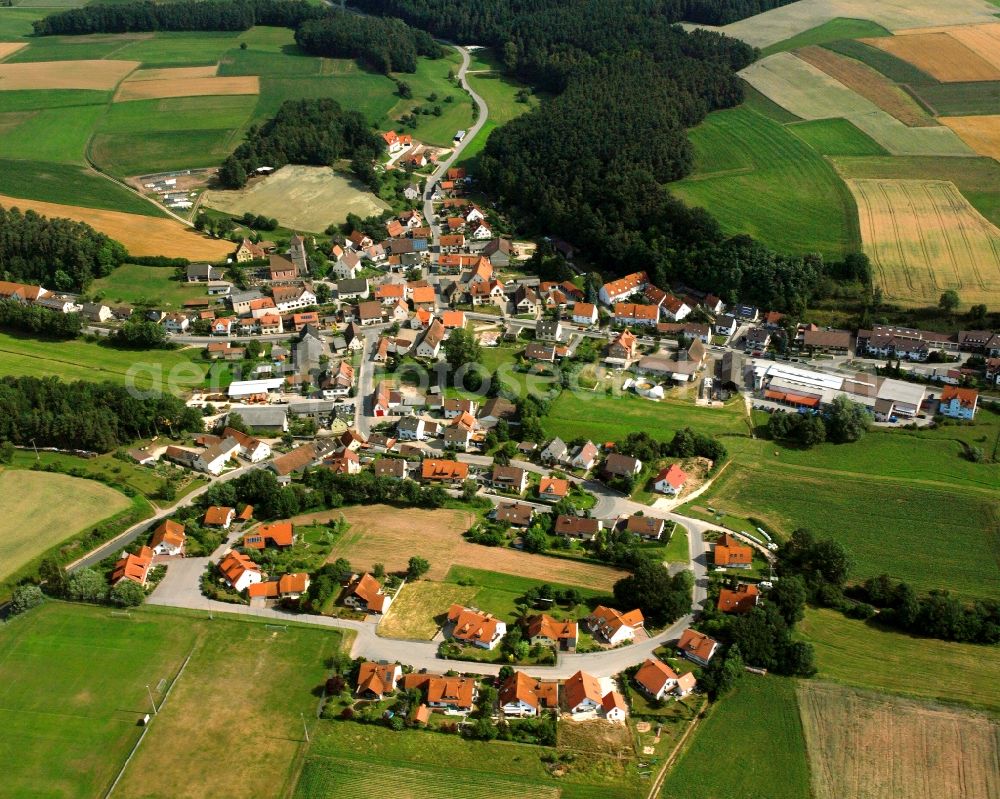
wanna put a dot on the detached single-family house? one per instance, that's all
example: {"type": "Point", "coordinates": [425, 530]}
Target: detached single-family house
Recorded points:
{"type": "Point", "coordinates": [585, 313]}
{"type": "Point", "coordinates": [739, 600]}
{"type": "Point", "coordinates": [555, 451]}
{"type": "Point", "coordinates": [365, 593]}
{"type": "Point", "coordinates": [958, 403]}
{"type": "Point", "coordinates": [613, 626]}
{"type": "Point", "coordinates": [670, 480]}
{"type": "Point", "coordinates": [648, 527]}
{"type": "Point", "coordinates": [495, 409]}
{"type": "Point", "coordinates": [697, 646]}
{"type": "Point", "coordinates": [725, 326]}
{"type": "Point", "coordinates": [134, 567]}
{"type": "Point", "coordinates": [617, 465]}
{"type": "Point", "coordinates": [582, 693]}
{"type": "Point", "coordinates": [214, 459]}
{"type": "Point", "coordinates": [411, 428]}
{"type": "Point", "coordinates": [516, 514]}
{"type": "Point", "coordinates": [239, 571]}
{"type": "Point", "coordinates": [168, 538]}
{"type": "Point", "coordinates": [471, 626]}
{"type": "Point", "coordinates": [552, 489]}
{"type": "Point", "coordinates": [656, 679]}
{"type": "Point", "coordinates": [543, 629]}
{"type": "Point", "coordinates": [579, 527]}
{"type": "Point", "coordinates": [375, 680]}
{"type": "Point", "coordinates": [218, 516]}
{"type": "Point", "coordinates": [280, 535]}
{"type": "Point", "coordinates": [455, 694]}
{"type": "Point", "coordinates": [584, 457]}
{"type": "Point", "coordinates": [521, 696]}
{"type": "Point", "coordinates": [430, 342]}
{"type": "Point", "coordinates": [731, 554]}
{"type": "Point", "coordinates": [509, 478]}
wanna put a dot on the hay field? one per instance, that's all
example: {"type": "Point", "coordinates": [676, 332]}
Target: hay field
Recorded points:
{"type": "Point", "coordinates": [981, 133]}
{"type": "Point", "coordinates": [9, 48]}
{"type": "Point", "coordinates": [64, 74]}
{"type": "Point", "coordinates": [307, 198]}
{"type": "Point", "coordinates": [869, 84]}
{"type": "Point", "coordinates": [173, 73]}
{"type": "Point", "coordinates": [810, 93]}
{"type": "Point", "coordinates": [383, 534]}
{"type": "Point", "coordinates": [141, 235]}
{"type": "Point", "coordinates": [413, 612]}
{"type": "Point", "coordinates": [40, 509]}
{"type": "Point", "coordinates": [187, 87]}
{"type": "Point", "coordinates": [881, 747]}
{"type": "Point", "coordinates": [939, 55]}
{"type": "Point", "coordinates": [924, 237]}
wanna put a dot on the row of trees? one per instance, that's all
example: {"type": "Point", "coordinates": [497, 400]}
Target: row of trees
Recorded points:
{"type": "Point", "coordinates": [39, 321]}
{"type": "Point", "coordinates": [844, 422]}
{"type": "Point", "coordinates": [92, 416]}
{"type": "Point", "coordinates": [185, 15]}
{"type": "Point", "coordinates": [317, 132]}
{"type": "Point", "coordinates": [385, 45]}
{"type": "Point", "coordinates": [57, 253]}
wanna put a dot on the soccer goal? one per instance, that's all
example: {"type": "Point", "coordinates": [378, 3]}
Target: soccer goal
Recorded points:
{"type": "Point", "coordinates": [120, 614]}
{"type": "Point", "coordinates": [276, 628]}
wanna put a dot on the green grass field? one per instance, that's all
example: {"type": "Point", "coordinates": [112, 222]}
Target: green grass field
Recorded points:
{"type": "Point", "coordinates": [895, 69]}
{"type": "Point", "coordinates": [499, 93]}
{"type": "Point", "coordinates": [350, 759]}
{"type": "Point", "coordinates": [57, 135]}
{"type": "Point", "coordinates": [179, 49]}
{"type": "Point", "coordinates": [836, 137]}
{"type": "Point", "coordinates": [904, 529]}
{"type": "Point", "coordinates": [834, 30]}
{"type": "Point", "coordinates": [757, 178]}
{"type": "Point", "coordinates": [856, 653]}
{"type": "Point", "coordinates": [131, 283]}
{"type": "Point", "coordinates": [42, 509]}
{"type": "Point", "coordinates": [750, 745]}
{"type": "Point", "coordinates": [176, 370]}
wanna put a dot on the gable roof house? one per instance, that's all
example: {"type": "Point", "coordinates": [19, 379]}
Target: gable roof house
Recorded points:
{"type": "Point", "coordinates": [248, 251]}
{"type": "Point", "coordinates": [134, 567]}
{"type": "Point", "coordinates": [670, 480]}
{"type": "Point", "coordinates": [355, 289]}
{"type": "Point", "coordinates": [278, 534]}
{"type": "Point", "coordinates": [521, 695]}
{"type": "Point", "coordinates": [495, 409]}
{"type": "Point", "coordinates": [516, 514]}
{"type": "Point", "coordinates": [430, 342]}
{"type": "Point", "coordinates": [958, 403]}
{"type": "Point", "coordinates": [580, 527]}
{"type": "Point", "coordinates": [628, 313]}
{"type": "Point", "coordinates": [624, 287]}
{"type": "Point", "coordinates": [471, 626]}
{"type": "Point", "coordinates": [555, 451]}
{"type": "Point", "coordinates": [238, 571]}
{"type": "Point", "coordinates": [509, 478]}
{"type": "Point", "coordinates": [295, 461]}
{"type": "Point", "coordinates": [582, 693]}
{"type": "Point", "coordinates": [454, 694]}
{"type": "Point", "coordinates": [614, 626]}
{"type": "Point", "coordinates": [364, 592]}
{"type": "Point", "coordinates": [648, 527]}
{"type": "Point", "coordinates": [214, 459]}
{"type": "Point", "coordinates": [168, 538]}
{"type": "Point", "coordinates": [622, 348]}
{"type": "Point", "coordinates": [218, 516]}
{"type": "Point", "coordinates": [203, 273]}
{"type": "Point", "coordinates": [730, 553]}
{"type": "Point", "coordinates": [584, 313]}
{"type": "Point", "coordinates": [618, 465]}
{"type": "Point", "coordinates": [739, 600]}
{"type": "Point", "coordinates": [697, 646]}
{"type": "Point", "coordinates": [545, 630]}
{"type": "Point", "coordinates": [375, 680]}
{"type": "Point", "coordinates": [584, 456]}
{"type": "Point", "coordinates": [552, 489]}
{"type": "Point", "coordinates": [657, 679]}
{"type": "Point", "coordinates": [443, 471]}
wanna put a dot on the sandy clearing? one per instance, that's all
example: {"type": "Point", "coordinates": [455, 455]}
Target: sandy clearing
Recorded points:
{"type": "Point", "coordinates": [810, 93]}
{"type": "Point", "coordinates": [877, 746]}
{"type": "Point", "coordinates": [981, 133]}
{"type": "Point", "coordinates": [188, 87]}
{"type": "Point", "coordinates": [9, 48]}
{"type": "Point", "coordinates": [91, 74]}
{"type": "Point", "coordinates": [382, 534]}
{"type": "Point", "coordinates": [924, 237]}
{"type": "Point", "coordinates": [173, 73]}
{"type": "Point", "coordinates": [868, 83]}
{"type": "Point", "coordinates": [141, 235]}
{"type": "Point", "coordinates": [782, 23]}
{"type": "Point", "coordinates": [307, 198]}
{"type": "Point", "coordinates": [939, 55]}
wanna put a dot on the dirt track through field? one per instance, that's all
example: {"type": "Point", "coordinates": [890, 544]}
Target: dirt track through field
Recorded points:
{"type": "Point", "coordinates": [872, 746]}
{"type": "Point", "coordinates": [382, 534]}
{"type": "Point", "coordinates": [141, 235]}
{"type": "Point", "coordinates": [869, 84]}
{"type": "Point", "coordinates": [939, 55]}
{"type": "Point", "coordinates": [64, 74]}
{"type": "Point", "coordinates": [924, 237]}
{"type": "Point", "coordinates": [981, 133]}
{"type": "Point", "coordinates": [187, 87]}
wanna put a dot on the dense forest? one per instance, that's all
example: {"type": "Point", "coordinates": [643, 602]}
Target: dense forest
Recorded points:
{"type": "Point", "coordinates": [39, 321]}
{"type": "Point", "coordinates": [93, 416]}
{"type": "Point", "coordinates": [185, 15]}
{"type": "Point", "coordinates": [385, 45]}
{"type": "Point", "coordinates": [56, 253]}
{"type": "Point", "coordinates": [314, 132]}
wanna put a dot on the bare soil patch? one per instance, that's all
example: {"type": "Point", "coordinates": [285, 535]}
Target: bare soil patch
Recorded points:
{"type": "Point", "coordinates": [869, 84]}
{"type": "Point", "coordinates": [595, 736]}
{"type": "Point", "coordinates": [173, 73]}
{"type": "Point", "coordinates": [924, 237]}
{"type": "Point", "coordinates": [187, 87]}
{"type": "Point", "coordinates": [306, 198]}
{"type": "Point", "coordinates": [939, 55]}
{"type": "Point", "coordinates": [383, 534]}
{"type": "Point", "coordinates": [9, 48]}
{"type": "Point", "coordinates": [981, 133]}
{"type": "Point", "coordinates": [141, 235]}
{"type": "Point", "coordinates": [874, 746]}
{"type": "Point", "coordinates": [91, 74]}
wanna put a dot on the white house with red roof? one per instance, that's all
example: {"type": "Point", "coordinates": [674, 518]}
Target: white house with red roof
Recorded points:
{"type": "Point", "coordinates": [670, 480]}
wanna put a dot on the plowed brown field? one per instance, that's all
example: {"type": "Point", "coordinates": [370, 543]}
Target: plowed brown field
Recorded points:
{"type": "Point", "coordinates": [939, 55]}
{"type": "Point", "coordinates": [64, 74]}
{"type": "Point", "coordinates": [187, 87]}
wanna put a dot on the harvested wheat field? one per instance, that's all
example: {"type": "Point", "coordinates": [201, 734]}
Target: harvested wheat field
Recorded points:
{"type": "Point", "coordinates": [64, 74]}
{"type": "Point", "coordinates": [187, 87]}
{"type": "Point", "coordinates": [982, 39]}
{"type": "Point", "coordinates": [871, 85]}
{"type": "Point", "coordinates": [924, 237]}
{"type": "Point", "coordinates": [141, 235]}
{"type": "Point", "coordinates": [383, 534]}
{"type": "Point", "coordinates": [875, 746]}
{"type": "Point", "coordinates": [173, 73]}
{"type": "Point", "coordinates": [981, 133]}
{"type": "Point", "coordinates": [9, 48]}
{"type": "Point", "coordinates": [939, 55]}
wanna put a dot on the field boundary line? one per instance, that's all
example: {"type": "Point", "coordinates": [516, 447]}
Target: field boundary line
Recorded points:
{"type": "Point", "coordinates": [672, 757]}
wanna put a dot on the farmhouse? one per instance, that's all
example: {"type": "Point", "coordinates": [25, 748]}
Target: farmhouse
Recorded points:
{"type": "Point", "coordinates": [579, 527]}
{"type": "Point", "coordinates": [203, 273]}
{"type": "Point", "coordinates": [168, 538]}
{"type": "Point", "coordinates": [670, 480]}
{"type": "Point", "coordinates": [364, 592]}
{"type": "Point", "coordinates": [294, 461]}
{"type": "Point", "coordinates": [545, 630]}
{"type": "Point", "coordinates": [248, 251]}
{"type": "Point", "coordinates": [133, 567]}
{"type": "Point", "coordinates": [697, 646]}
{"type": "Point", "coordinates": [521, 695]}
{"type": "Point", "coordinates": [613, 626]}
{"type": "Point", "coordinates": [730, 553]}
{"type": "Point", "coordinates": [958, 403]}
{"type": "Point", "coordinates": [451, 693]}
{"type": "Point", "coordinates": [238, 571]}
{"type": "Point", "coordinates": [273, 418]}
{"type": "Point", "coordinates": [739, 600]}
{"type": "Point", "coordinates": [471, 626]}
{"type": "Point", "coordinates": [375, 680]}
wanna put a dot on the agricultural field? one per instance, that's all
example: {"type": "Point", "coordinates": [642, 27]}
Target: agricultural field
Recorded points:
{"type": "Point", "coordinates": [348, 759]}
{"type": "Point", "coordinates": [981, 133]}
{"type": "Point", "coordinates": [418, 610]}
{"type": "Point", "coordinates": [382, 534]}
{"type": "Point", "coordinates": [833, 30]}
{"type": "Point", "coordinates": [194, 734]}
{"type": "Point", "coordinates": [302, 197]}
{"type": "Point", "coordinates": [939, 55]}
{"type": "Point", "coordinates": [41, 509]}
{"type": "Point", "coordinates": [758, 178]}
{"type": "Point", "coordinates": [72, 687]}
{"type": "Point", "coordinates": [175, 370]}
{"type": "Point", "coordinates": [863, 744]}
{"type": "Point", "coordinates": [923, 237]}
{"type": "Point", "coordinates": [750, 744]}
{"type": "Point", "coordinates": [862, 654]}
{"type": "Point", "coordinates": [836, 137]}
{"type": "Point", "coordinates": [132, 284]}
{"type": "Point", "coordinates": [937, 551]}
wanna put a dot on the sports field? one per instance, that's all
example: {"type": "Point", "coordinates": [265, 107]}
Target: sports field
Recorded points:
{"type": "Point", "coordinates": [856, 653]}
{"type": "Point", "coordinates": [924, 237]}
{"type": "Point", "coordinates": [751, 744]}
{"type": "Point", "coordinates": [41, 509]}
{"type": "Point", "coordinates": [874, 745]}
{"type": "Point", "coordinates": [382, 534]}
